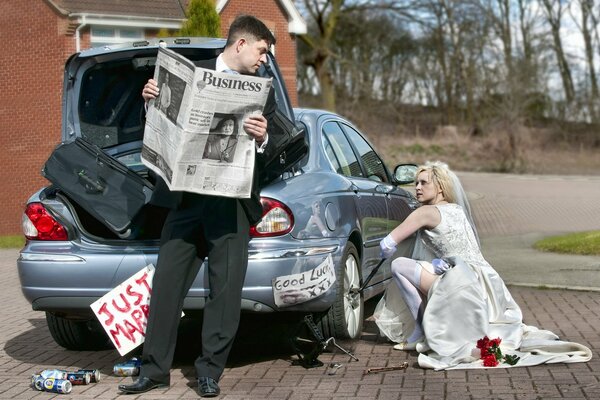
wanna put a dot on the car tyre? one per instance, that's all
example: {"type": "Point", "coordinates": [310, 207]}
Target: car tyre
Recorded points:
{"type": "Point", "coordinates": [344, 320]}
{"type": "Point", "coordinates": [75, 334]}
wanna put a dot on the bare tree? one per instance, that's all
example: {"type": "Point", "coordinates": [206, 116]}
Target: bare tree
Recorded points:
{"type": "Point", "coordinates": [588, 25]}
{"type": "Point", "coordinates": [323, 18]}
{"type": "Point", "coordinates": [554, 10]}
{"type": "Point", "coordinates": [372, 59]}
{"type": "Point", "coordinates": [323, 21]}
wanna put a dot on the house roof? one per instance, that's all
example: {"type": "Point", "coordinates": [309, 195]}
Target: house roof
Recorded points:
{"type": "Point", "coordinates": [162, 9]}
{"type": "Point", "coordinates": [296, 23]}
{"type": "Point", "coordinates": [150, 13]}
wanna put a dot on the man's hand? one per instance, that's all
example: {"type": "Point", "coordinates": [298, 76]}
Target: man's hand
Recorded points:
{"type": "Point", "coordinates": [150, 90]}
{"type": "Point", "coordinates": [256, 126]}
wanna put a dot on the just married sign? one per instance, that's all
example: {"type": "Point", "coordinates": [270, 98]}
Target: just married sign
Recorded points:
{"type": "Point", "coordinates": [123, 312]}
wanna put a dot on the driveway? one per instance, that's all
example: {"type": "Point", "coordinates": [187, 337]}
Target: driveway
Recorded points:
{"type": "Point", "coordinates": [511, 211]}
{"type": "Point", "coordinates": [514, 211]}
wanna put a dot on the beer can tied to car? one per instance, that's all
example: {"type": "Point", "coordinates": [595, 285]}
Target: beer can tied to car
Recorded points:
{"type": "Point", "coordinates": [37, 381]}
{"type": "Point", "coordinates": [54, 385]}
{"type": "Point", "coordinates": [94, 374]}
{"type": "Point", "coordinates": [60, 381]}
{"type": "Point", "coordinates": [79, 378]}
{"type": "Point", "coordinates": [128, 368]}
{"type": "Point", "coordinates": [54, 373]}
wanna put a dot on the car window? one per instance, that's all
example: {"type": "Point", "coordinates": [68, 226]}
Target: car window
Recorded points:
{"type": "Point", "coordinates": [371, 161]}
{"type": "Point", "coordinates": [110, 104]}
{"type": "Point", "coordinates": [339, 151]}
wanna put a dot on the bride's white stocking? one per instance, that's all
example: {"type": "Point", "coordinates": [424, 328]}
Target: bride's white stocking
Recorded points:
{"type": "Point", "coordinates": [407, 274]}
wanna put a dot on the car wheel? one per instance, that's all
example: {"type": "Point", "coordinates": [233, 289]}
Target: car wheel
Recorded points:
{"type": "Point", "coordinates": [77, 334]}
{"type": "Point", "coordinates": [344, 320]}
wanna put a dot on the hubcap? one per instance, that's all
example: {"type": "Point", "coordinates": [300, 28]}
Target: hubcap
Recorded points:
{"type": "Point", "coordinates": [352, 304]}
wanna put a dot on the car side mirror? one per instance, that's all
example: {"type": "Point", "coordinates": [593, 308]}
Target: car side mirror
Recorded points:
{"type": "Point", "coordinates": [405, 174]}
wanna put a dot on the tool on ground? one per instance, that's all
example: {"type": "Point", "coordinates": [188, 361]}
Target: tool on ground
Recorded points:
{"type": "Point", "coordinates": [404, 365]}
{"type": "Point", "coordinates": [309, 358]}
{"type": "Point", "coordinates": [333, 368]}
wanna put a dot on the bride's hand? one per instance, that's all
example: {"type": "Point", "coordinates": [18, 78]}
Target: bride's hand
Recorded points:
{"type": "Point", "coordinates": [388, 247]}
{"type": "Point", "coordinates": [439, 266]}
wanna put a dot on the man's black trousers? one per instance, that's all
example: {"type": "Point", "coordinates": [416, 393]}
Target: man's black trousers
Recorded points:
{"type": "Point", "coordinates": [201, 225]}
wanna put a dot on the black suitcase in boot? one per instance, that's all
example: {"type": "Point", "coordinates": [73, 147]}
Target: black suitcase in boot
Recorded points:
{"type": "Point", "coordinates": [103, 186]}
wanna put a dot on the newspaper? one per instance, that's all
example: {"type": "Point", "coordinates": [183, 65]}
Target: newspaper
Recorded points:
{"type": "Point", "coordinates": [194, 136]}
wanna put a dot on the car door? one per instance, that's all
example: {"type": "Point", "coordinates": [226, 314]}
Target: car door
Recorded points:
{"type": "Point", "coordinates": [354, 158]}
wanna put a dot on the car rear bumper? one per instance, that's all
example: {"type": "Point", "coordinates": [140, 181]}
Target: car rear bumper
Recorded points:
{"type": "Point", "coordinates": [65, 277]}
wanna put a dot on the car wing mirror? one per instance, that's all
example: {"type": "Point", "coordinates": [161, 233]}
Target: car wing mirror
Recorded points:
{"type": "Point", "coordinates": [405, 174]}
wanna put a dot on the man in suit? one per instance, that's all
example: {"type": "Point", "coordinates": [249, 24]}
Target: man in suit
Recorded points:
{"type": "Point", "coordinates": [198, 226]}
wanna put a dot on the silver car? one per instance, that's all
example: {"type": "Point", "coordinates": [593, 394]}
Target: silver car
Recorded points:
{"type": "Point", "coordinates": [329, 209]}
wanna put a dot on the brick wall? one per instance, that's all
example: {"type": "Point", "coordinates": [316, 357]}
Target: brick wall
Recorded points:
{"type": "Point", "coordinates": [275, 17]}
{"type": "Point", "coordinates": [38, 41]}
{"type": "Point", "coordinates": [35, 49]}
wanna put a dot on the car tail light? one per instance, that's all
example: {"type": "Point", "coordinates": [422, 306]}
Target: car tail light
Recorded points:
{"type": "Point", "coordinates": [38, 224]}
{"type": "Point", "coordinates": [277, 219]}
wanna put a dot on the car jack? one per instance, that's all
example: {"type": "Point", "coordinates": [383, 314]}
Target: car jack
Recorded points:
{"type": "Point", "coordinates": [309, 357]}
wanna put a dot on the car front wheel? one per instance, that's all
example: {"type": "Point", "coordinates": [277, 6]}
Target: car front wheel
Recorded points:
{"type": "Point", "coordinates": [73, 334]}
{"type": "Point", "coordinates": [344, 319]}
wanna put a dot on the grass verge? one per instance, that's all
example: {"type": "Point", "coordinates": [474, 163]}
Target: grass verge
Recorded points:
{"type": "Point", "coordinates": [11, 242]}
{"type": "Point", "coordinates": [583, 243]}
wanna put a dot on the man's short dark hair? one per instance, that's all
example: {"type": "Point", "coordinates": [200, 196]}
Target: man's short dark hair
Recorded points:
{"type": "Point", "coordinates": [249, 25]}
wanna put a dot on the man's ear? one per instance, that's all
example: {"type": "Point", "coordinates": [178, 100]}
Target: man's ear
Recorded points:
{"type": "Point", "coordinates": [240, 43]}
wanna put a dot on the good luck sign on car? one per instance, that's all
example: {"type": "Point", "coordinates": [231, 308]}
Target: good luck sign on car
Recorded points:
{"type": "Point", "coordinates": [294, 289]}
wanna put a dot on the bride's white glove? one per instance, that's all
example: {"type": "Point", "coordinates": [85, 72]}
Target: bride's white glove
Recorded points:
{"type": "Point", "coordinates": [439, 266]}
{"type": "Point", "coordinates": [388, 247]}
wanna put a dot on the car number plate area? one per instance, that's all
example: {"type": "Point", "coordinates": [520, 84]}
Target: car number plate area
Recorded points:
{"type": "Point", "coordinates": [289, 290]}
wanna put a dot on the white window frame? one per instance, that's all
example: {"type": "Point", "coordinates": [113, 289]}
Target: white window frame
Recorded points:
{"type": "Point", "coordinates": [96, 40]}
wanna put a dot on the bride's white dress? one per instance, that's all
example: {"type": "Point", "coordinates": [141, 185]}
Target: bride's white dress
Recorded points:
{"type": "Point", "coordinates": [466, 303]}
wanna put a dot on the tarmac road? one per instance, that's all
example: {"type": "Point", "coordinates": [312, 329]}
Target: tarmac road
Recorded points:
{"type": "Point", "coordinates": [511, 211]}
{"type": "Point", "coordinates": [514, 211]}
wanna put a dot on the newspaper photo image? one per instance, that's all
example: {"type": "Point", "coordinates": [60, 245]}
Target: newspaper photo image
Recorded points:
{"type": "Point", "coordinates": [194, 136]}
{"type": "Point", "coordinates": [222, 138]}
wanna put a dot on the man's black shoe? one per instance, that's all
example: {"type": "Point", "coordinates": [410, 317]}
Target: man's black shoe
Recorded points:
{"type": "Point", "coordinates": [208, 387]}
{"type": "Point", "coordinates": [142, 385]}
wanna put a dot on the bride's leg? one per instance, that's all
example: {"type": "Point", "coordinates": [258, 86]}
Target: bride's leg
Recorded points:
{"type": "Point", "coordinates": [427, 279]}
{"type": "Point", "coordinates": [407, 275]}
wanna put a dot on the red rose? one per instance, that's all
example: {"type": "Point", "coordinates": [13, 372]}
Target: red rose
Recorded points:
{"type": "Point", "coordinates": [491, 353]}
{"type": "Point", "coordinates": [483, 343]}
{"type": "Point", "coordinates": [490, 361]}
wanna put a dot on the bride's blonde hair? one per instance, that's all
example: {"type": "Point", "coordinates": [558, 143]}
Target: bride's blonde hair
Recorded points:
{"type": "Point", "coordinates": [440, 175]}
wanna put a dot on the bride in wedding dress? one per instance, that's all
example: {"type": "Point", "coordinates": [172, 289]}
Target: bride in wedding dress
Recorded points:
{"type": "Point", "coordinates": [446, 297]}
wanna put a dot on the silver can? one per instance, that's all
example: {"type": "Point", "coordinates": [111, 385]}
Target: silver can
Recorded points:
{"type": "Point", "coordinates": [37, 381]}
{"type": "Point", "coordinates": [54, 373]}
{"type": "Point", "coordinates": [94, 374]}
{"type": "Point", "coordinates": [62, 386]}
{"type": "Point", "coordinates": [128, 368]}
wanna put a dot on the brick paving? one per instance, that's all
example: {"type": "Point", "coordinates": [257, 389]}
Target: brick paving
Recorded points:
{"type": "Point", "coordinates": [259, 370]}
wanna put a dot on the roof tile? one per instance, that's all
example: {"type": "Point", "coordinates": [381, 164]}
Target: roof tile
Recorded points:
{"type": "Point", "coordinates": [141, 8]}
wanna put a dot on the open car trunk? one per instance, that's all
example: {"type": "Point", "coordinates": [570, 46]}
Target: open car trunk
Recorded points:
{"type": "Point", "coordinates": [103, 107]}
{"type": "Point", "coordinates": [146, 226]}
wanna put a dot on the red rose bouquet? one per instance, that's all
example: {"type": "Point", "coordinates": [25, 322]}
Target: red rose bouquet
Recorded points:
{"type": "Point", "coordinates": [491, 353]}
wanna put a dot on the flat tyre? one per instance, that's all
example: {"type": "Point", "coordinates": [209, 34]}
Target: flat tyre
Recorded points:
{"type": "Point", "coordinates": [344, 320]}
